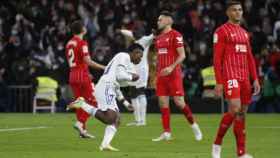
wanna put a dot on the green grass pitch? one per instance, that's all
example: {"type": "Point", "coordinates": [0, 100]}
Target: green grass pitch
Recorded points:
{"type": "Point", "coordinates": [59, 140]}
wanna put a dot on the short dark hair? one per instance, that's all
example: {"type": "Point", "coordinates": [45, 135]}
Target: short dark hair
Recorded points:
{"type": "Point", "coordinates": [231, 3]}
{"type": "Point", "coordinates": [77, 27]}
{"type": "Point", "coordinates": [166, 13]}
{"type": "Point", "coordinates": [134, 46]}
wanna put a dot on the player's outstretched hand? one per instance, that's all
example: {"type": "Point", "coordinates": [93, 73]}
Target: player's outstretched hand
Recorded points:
{"type": "Point", "coordinates": [135, 77]}
{"type": "Point", "coordinates": [166, 71]}
{"type": "Point", "coordinates": [257, 87]}
{"type": "Point", "coordinates": [219, 90]}
{"type": "Point", "coordinates": [130, 108]}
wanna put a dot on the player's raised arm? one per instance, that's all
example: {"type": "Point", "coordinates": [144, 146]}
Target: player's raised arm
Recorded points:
{"type": "Point", "coordinates": [127, 33]}
{"type": "Point", "coordinates": [146, 40]}
{"type": "Point", "coordinates": [92, 63]}
{"type": "Point", "coordinates": [88, 60]}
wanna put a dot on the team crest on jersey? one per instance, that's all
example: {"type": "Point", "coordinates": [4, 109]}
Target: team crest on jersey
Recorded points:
{"type": "Point", "coordinates": [215, 38]}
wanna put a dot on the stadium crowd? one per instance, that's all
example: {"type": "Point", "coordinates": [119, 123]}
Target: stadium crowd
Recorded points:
{"type": "Point", "coordinates": [33, 35]}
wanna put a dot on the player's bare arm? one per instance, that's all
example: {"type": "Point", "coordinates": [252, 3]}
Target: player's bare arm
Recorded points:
{"type": "Point", "coordinates": [257, 87]}
{"type": "Point", "coordinates": [93, 64]}
{"type": "Point", "coordinates": [127, 33]}
{"type": "Point", "coordinates": [253, 72]}
{"type": "Point", "coordinates": [168, 70]}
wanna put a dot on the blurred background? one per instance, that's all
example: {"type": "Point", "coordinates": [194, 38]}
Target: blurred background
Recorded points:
{"type": "Point", "coordinates": [33, 34]}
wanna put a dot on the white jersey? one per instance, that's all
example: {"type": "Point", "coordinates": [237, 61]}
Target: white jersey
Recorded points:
{"type": "Point", "coordinates": [142, 69]}
{"type": "Point", "coordinates": [118, 70]}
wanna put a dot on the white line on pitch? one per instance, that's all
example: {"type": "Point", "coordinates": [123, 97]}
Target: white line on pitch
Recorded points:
{"type": "Point", "coordinates": [255, 127]}
{"type": "Point", "coordinates": [22, 129]}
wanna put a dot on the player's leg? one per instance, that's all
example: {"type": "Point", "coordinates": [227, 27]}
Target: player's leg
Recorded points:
{"type": "Point", "coordinates": [87, 93]}
{"type": "Point", "coordinates": [105, 116]}
{"type": "Point", "coordinates": [239, 122]}
{"type": "Point", "coordinates": [109, 133]}
{"type": "Point", "coordinates": [136, 106]}
{"type": "Point", "coordinates": [176, 90]}
{"type": "Point", "coordinates": [110, 117]}
{"type": "Point", "coordinates": [79, 125]}
{"type": "Point", "coordinates": [163, 98]}
{"type": "Point", "coordinates": [180, 102]}
{"type": "Point", "coordinates": [143, 108]}
{"type": "Point", "coordinates": [165, 119]}
{"type": "Point", "coordinates": [232, 93]}
{"type": "Point", "coordinates": [142, 99]}
{"type": "Point", "coordinates": [227, 119]}
{"type": "Point", "coordinates": [109, 113]}
{"type": "Point", "coordinates": [136, 112]}
{"type": "Point", "coordinates": [239, 132]}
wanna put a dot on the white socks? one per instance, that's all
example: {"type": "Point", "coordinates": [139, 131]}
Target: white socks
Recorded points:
{"type": "Point", "coordinates": [143, 108]}
{"type": "Point", "coordinates": [136, 107]}
{"type": "Point", "coordinates": [89, 109]}
{"type": "Point", "coordinates": [140, 108]}
{"type": "Point", "coordinates": [109, 134]}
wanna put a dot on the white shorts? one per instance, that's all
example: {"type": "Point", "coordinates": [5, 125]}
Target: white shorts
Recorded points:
{"type": "Point", "coordinates": [105, 94]}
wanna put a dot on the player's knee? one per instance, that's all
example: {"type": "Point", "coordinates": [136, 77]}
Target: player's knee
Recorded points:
{"type": "Point", "coordinates": [234, 107]}
{"type": "Point", "coordinates": [163, 103]}
{"type": "Point", "coordinates": [111, 118]}
{"type": "Point", "coordinates": [240, 115]}
{"type": "Point", "coordinates": [109, 121]}
{"type": "Point", "coordinates": [180, 102]}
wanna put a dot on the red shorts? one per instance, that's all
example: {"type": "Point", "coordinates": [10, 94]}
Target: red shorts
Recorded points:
{"type": "Point", "coordinates": [84, 89]}
{"type": "Point", "coordinates": [171, 85]}
{"type": "Point", "coordinates": [234, 89]}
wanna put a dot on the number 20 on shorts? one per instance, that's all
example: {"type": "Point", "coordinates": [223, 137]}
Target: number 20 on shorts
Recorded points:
{"type": "Point", "coordinates": [232, 84]}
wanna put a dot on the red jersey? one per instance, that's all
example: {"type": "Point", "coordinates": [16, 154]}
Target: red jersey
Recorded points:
{"type": "Point", "coordinates": [233, 58]}
{"type": "Point", "coordinates": [166, 45]}
{"type": "Point", "coordinates": [76, 50]}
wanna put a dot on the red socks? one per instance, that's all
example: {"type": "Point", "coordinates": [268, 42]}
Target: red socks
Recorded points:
{"type": "Point", "coordinates": [82, 116]}
{"type": "Point", "coordinates": [240, 135]}
{"type": "Point", "coordinates": [188, 114]}
{"type": "Point", "coordinates": [238, 129]}
{"type": "Point", "coordinates": [224, 125]}
{"type": "Point", "coordinates": [165, 119]}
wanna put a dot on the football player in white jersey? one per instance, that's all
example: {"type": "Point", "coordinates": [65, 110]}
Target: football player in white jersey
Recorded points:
{"type": "Point", "coordinates": [107, 90]}
{"type": "Point", "coordinates": [139, 100]}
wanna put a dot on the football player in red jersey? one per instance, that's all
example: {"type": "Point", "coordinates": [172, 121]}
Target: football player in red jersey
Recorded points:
{"type": "Point", "coordinates": [77, 54]}
{"type": "Point", "coordinates": [234, 65]}
{"type": "Point", "coordinates": [170, 54]}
